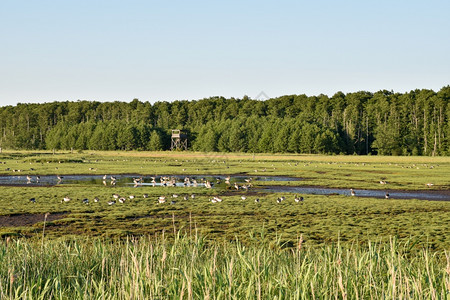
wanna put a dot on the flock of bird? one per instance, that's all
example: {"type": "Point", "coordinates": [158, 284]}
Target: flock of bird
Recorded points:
{"type": "Point", "coordinates": [162, 199]}
{"type": "Point", "coordinates": [121, 199]}
{"type": "Point", "coordinates": [188, 181]}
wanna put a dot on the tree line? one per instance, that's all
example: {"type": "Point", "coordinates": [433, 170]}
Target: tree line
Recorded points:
{"type": "Point", "coordinates": [387, 123]}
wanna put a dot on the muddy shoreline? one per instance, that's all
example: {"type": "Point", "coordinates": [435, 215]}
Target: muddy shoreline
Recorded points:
{"type": "Point", "coordinates": [17, 220]}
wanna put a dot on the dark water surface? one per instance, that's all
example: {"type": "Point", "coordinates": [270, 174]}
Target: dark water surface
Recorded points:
{"type": "Point", "coordinates": [393, 194]}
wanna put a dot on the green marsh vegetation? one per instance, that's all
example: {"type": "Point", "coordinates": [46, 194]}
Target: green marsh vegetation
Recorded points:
{"type": "Point", "coordinates": [187, 267]}
{"type": "Point", "coordinates": [350, 246]}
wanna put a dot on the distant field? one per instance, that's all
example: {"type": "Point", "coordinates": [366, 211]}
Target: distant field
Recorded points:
{"type": "Point", "coordinates": [400, 172]}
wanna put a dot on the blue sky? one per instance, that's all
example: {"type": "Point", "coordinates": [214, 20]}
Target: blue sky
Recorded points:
{"type": "Point", "coordinates": [174, 50]}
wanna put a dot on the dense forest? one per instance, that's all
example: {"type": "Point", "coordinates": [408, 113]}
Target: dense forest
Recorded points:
{"type": "Point", "coordinates": [388, 123]}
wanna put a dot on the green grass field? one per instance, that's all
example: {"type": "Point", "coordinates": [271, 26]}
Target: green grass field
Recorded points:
{"type": "Point", "coordinates": [322, 222]}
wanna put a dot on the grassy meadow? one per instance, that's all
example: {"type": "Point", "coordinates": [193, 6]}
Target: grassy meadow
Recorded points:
{"type": "Point", "coordinates": [326, 246]}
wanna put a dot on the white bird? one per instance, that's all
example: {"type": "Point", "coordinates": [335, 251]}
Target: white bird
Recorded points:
{"type": "Point", "coordinates": [116, 196]}
{"type": "Point", "coordinates": [111, 202]}
{"type": "Point", "coordinates": [243, 198]}
{"type": "Point", "coordinates": [352, 192]}
{"type": "Point", "coordinates": [175, 196]}
{"type": "Point", "coordinates": [430, 184]}
{"type": "Point", "coordinates": [96, 199]}
{"type": "Point", "coordinates": [193, 196]}
{"type": "Point", "coordinates": [298, 199]}
{"type": "Point", "coordinates": [257, 200]}
{"type": "Point", "coordinates": [66, 199]}
{"type": "Point", "coordinates": [131, 197]}
{"type": "Point", "coordinates": [162, 199]}
{"type": "Point", "coordinates": [145, 195]}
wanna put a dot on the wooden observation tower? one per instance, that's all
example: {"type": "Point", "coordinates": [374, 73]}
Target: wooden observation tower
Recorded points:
{"type": "Point", "coordinates": [179, 140]}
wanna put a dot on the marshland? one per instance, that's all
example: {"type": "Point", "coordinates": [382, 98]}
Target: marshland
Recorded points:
{"type": "Point", "coordinates": [114, 236]}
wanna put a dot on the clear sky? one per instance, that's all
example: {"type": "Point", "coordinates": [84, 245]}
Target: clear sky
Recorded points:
{"type": "Point", "coordinates": [108, 50]}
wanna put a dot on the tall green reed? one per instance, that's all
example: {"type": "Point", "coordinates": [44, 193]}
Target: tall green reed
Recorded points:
{"type": "Point", "coordinates": [192, 267]}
